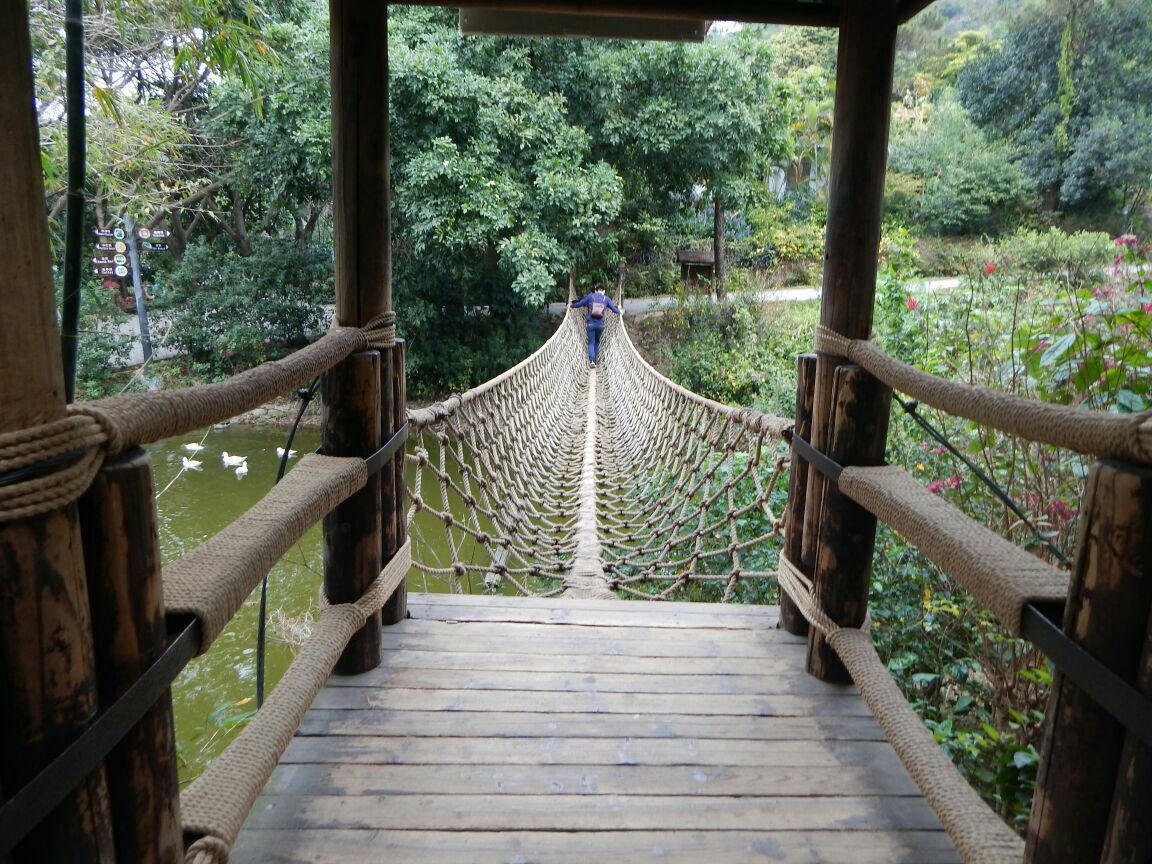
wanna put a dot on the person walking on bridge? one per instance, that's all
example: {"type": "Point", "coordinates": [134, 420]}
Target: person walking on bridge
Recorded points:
{"type": "Point", "coordinates": [596, 303]}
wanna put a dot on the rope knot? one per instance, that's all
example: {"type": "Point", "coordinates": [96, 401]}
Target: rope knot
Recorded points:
{"type": "Point", "coordinates": [46, 467]}
{"type": "Point", "coordinates": [208, 850]}
{"type": "Point", "coordinates": [380, 332]}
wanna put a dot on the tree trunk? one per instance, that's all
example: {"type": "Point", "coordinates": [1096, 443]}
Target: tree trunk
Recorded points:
{"type": "Point", "coordinates": [718, 249]}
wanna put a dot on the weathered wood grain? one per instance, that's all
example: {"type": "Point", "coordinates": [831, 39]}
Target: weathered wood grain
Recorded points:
{"type": "Point", "coordinates": [518, 724]}
{"type": "Point", "coordinates": [489, 735]}
{"type": "Point", "coordinates": [560, 847]}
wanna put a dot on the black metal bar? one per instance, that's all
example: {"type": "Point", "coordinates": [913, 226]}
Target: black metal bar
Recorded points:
{"type": "Point", "coordinates": [826, 466]}
{"type": "Point", "coordinates": [1113, 693]}
{"type": "Point", "coordinates": [74, 224]}
{"type": "Point", "coordinates": [383, 456]}
{"type": "Point", "coordinates": [28, 807]}
{"type": "Point", "coordinates": [39, 469]}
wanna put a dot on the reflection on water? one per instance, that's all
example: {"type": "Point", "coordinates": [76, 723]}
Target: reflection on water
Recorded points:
{"type": "Point", "coordinates": [217, 691]}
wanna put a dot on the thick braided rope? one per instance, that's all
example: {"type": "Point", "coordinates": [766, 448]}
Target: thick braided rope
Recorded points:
{"type": "Point", "coordinates": [1118, 436]}
{"type": "Point", "coordinates": [1001, 575]}
{"type": "Point", "coordinates": [213, 580]}
{"type": "Point", "coordinates": [494, 474]}
{"type": "Point", "coordinates": [109, 426]}
{"type": "Point", "coordinates": [978, 833]}
{"type": "Point", "coordinates": [216, 804]}
{"type": "Point", "coordinates": [72, 442]}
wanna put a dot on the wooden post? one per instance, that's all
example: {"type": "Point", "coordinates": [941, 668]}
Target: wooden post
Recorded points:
{"type": "Point", "coordinates": [351, 427]}
{"type": "Point", "coordinates": [354, 400]}
{"type": "Point", "coordinates": [1108, 614]}
{"type": "Point", "coordinates": [1129, 838]}
{"type": "Point", "coordinates": [865, 55]}
{"type": "Point", "coordinates": [122, 557]}
{"type": "Point", "coordinates": [847, 531]}
{"type": "Point", "coordinates": [394, 503]}
{"type": "Point", "coordinates": [47, 671]}
{"type": "Point", "coordinates": [790, 617]}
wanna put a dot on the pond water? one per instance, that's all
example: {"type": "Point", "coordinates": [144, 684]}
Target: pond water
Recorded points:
{"type": "Point", "coordinates": [216, 694]}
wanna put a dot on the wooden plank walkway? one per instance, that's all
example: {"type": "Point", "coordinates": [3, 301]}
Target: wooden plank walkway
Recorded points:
{"type": "Point", "coordinates": [517, 730]}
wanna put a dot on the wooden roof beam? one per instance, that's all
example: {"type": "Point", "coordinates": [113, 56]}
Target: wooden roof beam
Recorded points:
{"type": "Point", "coordinates": [810, 13]}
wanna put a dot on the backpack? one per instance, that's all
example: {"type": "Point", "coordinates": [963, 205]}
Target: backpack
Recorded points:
{"type": "Point", "coordinates": [597, 308]}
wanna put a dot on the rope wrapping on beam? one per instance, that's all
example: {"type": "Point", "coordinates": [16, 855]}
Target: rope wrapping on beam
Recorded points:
{"type": "Point", "coordinates": [36, 478]}
{"type": "Point", "coordinates": [213, 580]}
{"type": "Point", "coordinates": [977, 832]}
{"type": "Point", "coordinates": [1116, 436]}
{"type": "Point", "coordinates": [1003, 577]}
{"type": "Point", "coordinates": [215, 806]}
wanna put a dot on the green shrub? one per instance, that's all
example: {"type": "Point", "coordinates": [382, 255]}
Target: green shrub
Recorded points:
{"type": "Point", "coordinates": [1054, 251]}
{"type": "Point", "coordinates": [233, 313]}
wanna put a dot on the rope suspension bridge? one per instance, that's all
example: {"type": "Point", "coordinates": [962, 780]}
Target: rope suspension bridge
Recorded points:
{"type": "Point", "coordinates": [600, 483]}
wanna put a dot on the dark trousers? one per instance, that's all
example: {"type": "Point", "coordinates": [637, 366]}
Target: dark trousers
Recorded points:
{"type": "Point", "coordinates": [594, 332]}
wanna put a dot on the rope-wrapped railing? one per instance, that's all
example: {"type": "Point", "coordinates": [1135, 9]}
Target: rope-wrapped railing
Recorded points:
{"type": "Point", "coordinates": [1117, 436]}
{"type": "Point", "coordinates": [980, 836]}
{"type": "Point", "coordinates": [214, 807]}
{"type": "Point", "coordinates": [44, 468]}
{"type": "Point", "coordinates": [213, 580]}
{"type": "Point", "coordinates": [1003, 577]}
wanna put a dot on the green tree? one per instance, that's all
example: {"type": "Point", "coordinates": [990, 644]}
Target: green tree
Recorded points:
{"type": "Point", "coordinates": [1069, 86]}
{"type": "Point", "coordinates": [496, 197]}
{"type": "Point", "coordinates": [966, 183]}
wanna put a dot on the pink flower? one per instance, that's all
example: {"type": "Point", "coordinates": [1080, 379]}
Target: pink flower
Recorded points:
{"type": "Point", "coordinates": [954, 481]}
{"type": "Point", "coordinates": [938, 451]}
{"type": "Point", "coordinates": [1041, 344]}
{"type": "Point", "coordinates": [913, 303]}
{"type": "Point", "coordinates": [1126, 240]}
{"type": "Point", "coordinates": [1146, 307]}
{"type": "Point", "coordinates": [936, 486]}
{"type": "Point", "coordinates": [989, 268]}
{"type": "Point", "coordinates": [1061, 510]}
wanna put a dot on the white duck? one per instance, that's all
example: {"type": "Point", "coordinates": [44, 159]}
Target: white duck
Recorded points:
{"type": "Point", "coordinates": [189, 464]}
{"type": "Point", "coordinates": [193, 447]}
{"type": "Point", "coordinates": [280, 452]}
{"type": "Point", "coordinates": [232, 461]}
{"type": "Point", "coordinates": [241, 469]}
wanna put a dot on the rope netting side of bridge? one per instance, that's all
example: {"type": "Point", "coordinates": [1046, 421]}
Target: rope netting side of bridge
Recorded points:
{"type": "Point", "coordinates": [681, 502]}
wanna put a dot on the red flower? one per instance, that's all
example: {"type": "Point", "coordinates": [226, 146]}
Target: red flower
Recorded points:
{"type": "Point", "coordinates": [954, 481]}
{"type": "Point", "coordinates": [1147, 307]}
{"type": "Point", "coordinates": [913, 303]}
{"type": "Point", "coordinates": [1062, 510]}
{"type": "Point", "coordinates": [989, 268]}
{"type": "Point", "coordinates": [936, 486]}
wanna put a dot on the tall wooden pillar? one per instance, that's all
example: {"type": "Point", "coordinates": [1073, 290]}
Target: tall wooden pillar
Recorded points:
{"type": "Point", "coordinates": [362, 237]}
{"type": "Point", "coordinates": [864, 59]}
{"type": "Point", "coordinates": [1093, 789]}
{"type": "Point", "coordinates": [47, 672]}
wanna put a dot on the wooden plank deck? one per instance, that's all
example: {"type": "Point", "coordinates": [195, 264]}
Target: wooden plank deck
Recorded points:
{"type": "Point", "coordinates": [516, 730]}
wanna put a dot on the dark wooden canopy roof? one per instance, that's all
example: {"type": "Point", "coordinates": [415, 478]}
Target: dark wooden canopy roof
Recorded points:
{"type": "Point", "coordinates": [814, 13]}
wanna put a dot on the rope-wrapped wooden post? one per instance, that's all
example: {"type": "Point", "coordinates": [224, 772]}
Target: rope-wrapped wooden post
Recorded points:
{"type": "Point", "coordinates": [864, 60]}
{"type": "Point", "coordinates": [791, 618]}
{"type": "Point", "coordinates": [352, 532]}
{"type": "Point", "coordinates": [122, 557]}
{"type": "Point", "coordinates": [1107, 613]}
{"type": "Point", "coordinates": [354, 400]}
{"type": "Point", "coordinates": [47, 669]}
{"type": "Point", "coordinates": [394, 488]}
{"type": "Point", "coordinates": [843, 566]}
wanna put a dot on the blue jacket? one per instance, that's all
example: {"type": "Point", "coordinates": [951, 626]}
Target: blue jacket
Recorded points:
{"type": "Point", "coordinates": [598, 296]}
